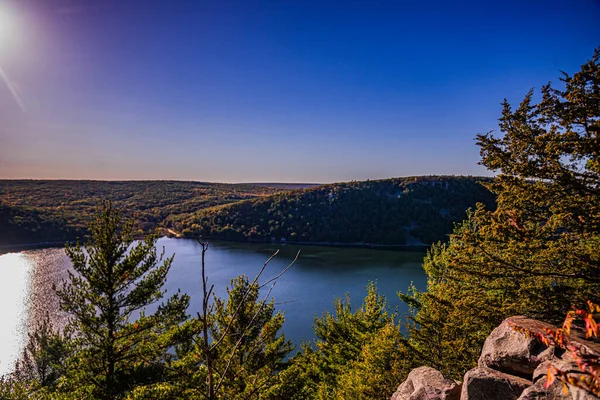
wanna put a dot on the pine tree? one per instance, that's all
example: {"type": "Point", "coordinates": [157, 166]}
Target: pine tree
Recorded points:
{"type": "Point", "coordinates": [360, 354]}
{"type": "Point", "coordinates": [43, 361]}
{"type": "Point", "coordinates": [538, 253]}
{"type": "Point", "coordinates": [377, 371]}
{"type": "Point", "coordinates": [118, 347]}
{"type": "Point", "coordinates": [235, 347]}
{"type": "Point", "coordinates": [252, 350]}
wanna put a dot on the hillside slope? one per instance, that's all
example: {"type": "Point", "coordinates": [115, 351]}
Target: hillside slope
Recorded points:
{"type": "Point", "coordinates": [25, 225]}
{"type": "Point", "coordinates": [398, 211]}
{"type": "Point", "coordinates": [57, 210]}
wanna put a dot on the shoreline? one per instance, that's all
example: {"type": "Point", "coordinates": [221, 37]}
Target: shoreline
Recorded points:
{"type": "Point", "coordinates": [374, 246]}
{"type": "Point", "coordinates": [10, 248]}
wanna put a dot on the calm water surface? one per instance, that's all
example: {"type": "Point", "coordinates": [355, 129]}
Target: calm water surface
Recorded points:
{"type": "Point", "coordinates": [306, 290]}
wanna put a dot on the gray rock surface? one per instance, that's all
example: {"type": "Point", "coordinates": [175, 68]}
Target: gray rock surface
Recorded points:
{"type": "Point", "coordinates": [426, 383]}
{"type": "Point", "coordinates": [487, 384]}
{"type": "Point", "coordinates": [512, 352]}
{"type": "Point", "coordinates": [512, 366]}
{"type": "Point", "coordinates": [555, 392]}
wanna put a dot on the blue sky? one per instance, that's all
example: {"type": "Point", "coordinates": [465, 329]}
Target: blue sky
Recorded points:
{"type": "Point", "coordinates": [294, 91]}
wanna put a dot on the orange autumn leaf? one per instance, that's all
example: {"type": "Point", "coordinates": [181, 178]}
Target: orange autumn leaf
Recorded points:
{"type": "Point", "coordinates": [569, 322]}
{"type": "Point", "coordinates": [591, 327]}
{"type": "Point", "coordinates": [550, 376]}
{"type": "Point", "coordinates": [593, 306]}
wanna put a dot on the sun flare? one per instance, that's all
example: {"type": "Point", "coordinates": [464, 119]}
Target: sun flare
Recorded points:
{"type": "Point", "coordinates": [6, 25]}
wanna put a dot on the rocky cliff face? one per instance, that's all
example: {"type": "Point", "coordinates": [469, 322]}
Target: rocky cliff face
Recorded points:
{"type": "Point", "coordinates": [511, 366]}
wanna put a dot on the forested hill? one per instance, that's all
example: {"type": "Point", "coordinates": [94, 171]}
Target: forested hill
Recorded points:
{"type": "Point", "coordinates": [34, 211]}
{"type": "Point", "coordinates": [398, 211]}
{"type": "Point", "coordinates": [19, 225]}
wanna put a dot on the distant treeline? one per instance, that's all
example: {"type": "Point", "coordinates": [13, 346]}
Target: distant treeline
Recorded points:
{"type": "Point", "coordinates": [57, 210]}
{"type": "Point", "coordinates": [398, 211]}
{"type": "Point", "coordinates": [22, 225]}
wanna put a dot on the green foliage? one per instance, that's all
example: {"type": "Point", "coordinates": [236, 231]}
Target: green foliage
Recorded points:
{"type": "Point", "coordinates": [391, 212]}
{"type": "Point", "coordinates": [117, 347]}
{"type": "Point", "coordinates": [44, 358]}
{"type": "Point", "coordinates": [376, 373]}
{"type": "Point", "coordinates": [358, 355]}
{"type": "Point", "coordinates": [29, 225]}
{"type": "Point", "coordinates": [246, 350]}
{"type": "Point", "coordinates": [539, 251]}
{"type": "Point", "coordinates": [251, 343]}
{"type": "Point", "coordinates": [451, 319]}
{"type": "Point", "coordinates": [34, 211]}
{"type": "Point", "coordinates": [14, 389]}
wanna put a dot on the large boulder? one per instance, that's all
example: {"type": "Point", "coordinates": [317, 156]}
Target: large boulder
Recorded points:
{"type": "Point", "coordinates": [556, 391]}
{"type": "Point", "coordinates": [426, 383]}
{"type": "Point", "coordinates": [513, 352]}
{"type": "Point", "coordinates": [538, 391]}
{"type": "Point", "coordinates": [513, 365]}
{"type": "Point", "coordinates": [487, 384]}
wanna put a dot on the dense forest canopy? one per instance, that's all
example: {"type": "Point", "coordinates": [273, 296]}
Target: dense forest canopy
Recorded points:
{"type": "Point", "coordinates": [55, 210]}
{"type": "Point", "coordinates": [30, 225]}
{"type": "Point", "coordinates": [397, 211]}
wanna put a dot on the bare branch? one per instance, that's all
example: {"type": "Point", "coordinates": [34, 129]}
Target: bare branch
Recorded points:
{"type": "Point", "coordinates": [239, 342]}
{"type": "Point", "coordinates": [282, 272]}
{"type": "Point", "coordinates": [238, 308]}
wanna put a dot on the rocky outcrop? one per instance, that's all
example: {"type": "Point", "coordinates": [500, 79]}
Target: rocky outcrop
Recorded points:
{"type": "Point", "coordinates": [512, 366]}
{"type": "Point", "coordinates": [484, 383]}
{"type": "Point", "coordinates": [427, 383]}
{"type": "Point", "coordinates": [555, 391]}
{"type": "Point", "coordinates": [512, 352]}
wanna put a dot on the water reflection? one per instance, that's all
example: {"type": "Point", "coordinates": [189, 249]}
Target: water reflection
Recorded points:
{"type": "Point", "coordinates": [15, 270]}
{"type": "Point", "coordinates": [306, 290]}
{"type": "Point", "coordinates": [26, 295]}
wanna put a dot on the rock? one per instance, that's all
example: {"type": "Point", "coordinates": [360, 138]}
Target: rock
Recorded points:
{"type": "Point", "coordinates": [555, 392]}
{"type": "Point", "coordinates": [538, 392]}
{"type": "Point", "coordinates": [426, 383]}
{"type": "Point", "coordinates": [512, 366]}
{"type": "Point", "coordinates": [512, 352]}
{"type": "Point", "coordinates": [487, 384]}
{"type": "Point", "coordinates": [576, 338]}
{"type": "Point", "coordinates": [563, 365]}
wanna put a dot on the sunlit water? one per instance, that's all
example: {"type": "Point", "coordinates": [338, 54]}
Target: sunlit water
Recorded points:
{"type": "Point", "coordinates": [308, 289]}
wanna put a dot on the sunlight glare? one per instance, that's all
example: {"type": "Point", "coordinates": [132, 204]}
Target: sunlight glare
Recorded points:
{"type": "Point", "coordinates": [5, 25]}
{"type": "Point", "coordinates": [15, 269]}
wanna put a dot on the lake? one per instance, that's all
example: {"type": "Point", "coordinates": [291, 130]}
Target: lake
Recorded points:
{"type": "Point", "coordinates": [306, 290]}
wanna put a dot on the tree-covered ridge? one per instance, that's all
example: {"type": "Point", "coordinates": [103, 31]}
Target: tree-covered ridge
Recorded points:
{"type": "Point", "coordinates": [55, 210]}
{"type": "Point", "coordinates": [397, 211]}
{"type": "Point", "coordinates": [28, 225]}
